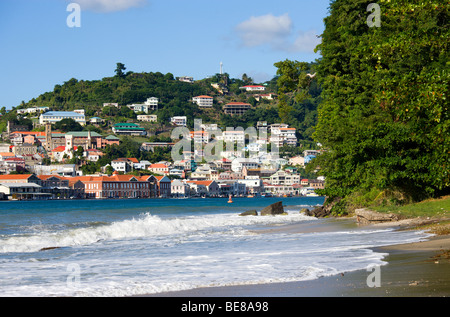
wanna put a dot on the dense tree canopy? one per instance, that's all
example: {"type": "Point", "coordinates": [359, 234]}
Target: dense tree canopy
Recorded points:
{"type": "Point", "coordinates": [299, 96]}
{"type": "Point", "coordinates": [384, 119]}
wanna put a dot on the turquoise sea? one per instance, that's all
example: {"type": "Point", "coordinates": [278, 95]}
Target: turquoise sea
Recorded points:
{"type": "Point", "coordinates": [131, 247]}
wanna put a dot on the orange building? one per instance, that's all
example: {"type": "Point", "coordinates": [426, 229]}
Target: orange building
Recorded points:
{"type": "Point", "coordinates": [118, 186]}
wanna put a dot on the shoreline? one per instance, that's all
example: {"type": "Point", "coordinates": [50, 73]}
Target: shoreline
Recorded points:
{"type": "Point", "coordinates": [418, 269]}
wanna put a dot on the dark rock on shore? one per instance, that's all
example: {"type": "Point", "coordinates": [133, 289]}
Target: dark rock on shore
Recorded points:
{"type": "Point", "coordinates": [318, 212]}
{"type": "Point", "coordinates": [274, 209]}
{"type": "Point", "coordinates": [304, 211]}
{"type": "Point", "coordinates": [325, 210]}
{"type": "Point", "coordinates": [249, 213]}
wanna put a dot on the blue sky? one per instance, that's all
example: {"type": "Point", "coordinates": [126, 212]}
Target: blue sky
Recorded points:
{"type": "Point", "coordinates": [186, 38]}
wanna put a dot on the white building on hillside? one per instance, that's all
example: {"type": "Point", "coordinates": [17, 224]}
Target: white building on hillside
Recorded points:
{"type": "Point", "coordinates": [179, 120]}
{"type": "Point", "coordinates": [150, 105]}
{"type": "Point", "coordinates": [232, 136]}
{"type": "Point", "coordinates": [283, 136]}
{"type": "Point", "coordinates": [239, 163]}
{"type": "Point", "coordinates": [253, 88]}
{"type": "Point", "coordinates": [56, 116]}
{"type": "Point", "coordinates": [203, 101]}
{"type": "Point", "coordinates": [147, 117]}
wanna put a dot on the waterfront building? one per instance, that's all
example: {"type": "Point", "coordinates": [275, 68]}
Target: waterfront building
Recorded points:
{"type": "Point", "coordinates": [118, 186]}
{"type": "Point", "coordinates": [282, 177]}
{"type": "Point", "coordinates": [179, 189]}
{"type": "Point", "coordinates": [19, 178]}
{"type": "Point", "coordinates": [55, 186]}
{"type": "Point", "coordinates": [21, 191]}
{"type": "Point", "coordinates": [208, 188]}
{"type": "Point", "coordinates": [163, 184]}
{"type": "Point", "coordinates": [253, 185]}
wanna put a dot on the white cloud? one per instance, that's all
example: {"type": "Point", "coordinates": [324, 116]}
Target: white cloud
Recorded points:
{"type": "Point", "coordinates": [109, 5]}
{"type": "Point", "coordinates": [305, 42]}
{"type": "Point", "coordinates": [276, 32]}
{"type": "Point", "coordinates": [266, 29]}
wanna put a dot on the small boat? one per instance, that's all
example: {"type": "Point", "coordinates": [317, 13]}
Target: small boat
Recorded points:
{"type": "Point", "coordinates": [230, 200]}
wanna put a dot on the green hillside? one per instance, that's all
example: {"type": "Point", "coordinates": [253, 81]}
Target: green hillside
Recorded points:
{"type": "Point", "coordinates": [174, 100]}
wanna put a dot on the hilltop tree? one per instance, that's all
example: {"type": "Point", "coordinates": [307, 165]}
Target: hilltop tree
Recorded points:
{"type": "Point", "coordinates": [120, 70]}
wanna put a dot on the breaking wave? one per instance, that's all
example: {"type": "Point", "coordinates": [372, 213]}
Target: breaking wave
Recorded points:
{"type": "Point", "coordinates": [146, 225]}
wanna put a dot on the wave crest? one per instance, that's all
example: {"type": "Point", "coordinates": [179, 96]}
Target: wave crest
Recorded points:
{"type": "Point", "coordinates": [146, 225]}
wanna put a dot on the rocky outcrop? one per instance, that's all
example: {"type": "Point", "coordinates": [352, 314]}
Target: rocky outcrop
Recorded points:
{"type": "Point", "coordinates": [249, 213]}
{"type": "Point", "coordinates": [274, 209]}
{"type": "Point", "coordinates": [318, 212]}
{"type": "Point", "coordinates": [304, 211]}
{"type": "Point", "coordinates": [325, 210]}
{"type": "Point", "coordinates": [366, 217]}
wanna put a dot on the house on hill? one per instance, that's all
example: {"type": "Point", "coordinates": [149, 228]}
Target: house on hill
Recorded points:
{"type": "Point", "coordinates": [203, 101]}
{"type": "Point", "coordinates": [236, 108]}
{"type": "Point", "coordinates": [56, 116]}
{"type": "Point", "coordinates": [250, 88]}
{"type": "Point", "coordinates": [128, 129]}
{"type": "Point", "coordinates": [159, 168]}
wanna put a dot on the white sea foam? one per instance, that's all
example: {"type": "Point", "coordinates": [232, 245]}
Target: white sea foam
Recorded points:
{"type": "Point", "coordinates": [153, 254]}
{"type": "Point", "coordinates": [145, 226]}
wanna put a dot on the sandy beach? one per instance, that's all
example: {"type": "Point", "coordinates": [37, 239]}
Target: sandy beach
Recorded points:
{"type": "Point", "coordinates": [412, 270]}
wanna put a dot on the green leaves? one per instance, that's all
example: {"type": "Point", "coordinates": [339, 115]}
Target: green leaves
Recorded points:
{"type": "Point", "coordinates": [384, 119]}
{"type": "Point", "coordinates": [298, 95]}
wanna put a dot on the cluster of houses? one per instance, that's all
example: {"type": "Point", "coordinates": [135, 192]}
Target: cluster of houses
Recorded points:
{"type": "Point", "coordinates": [27, 147]}
{"type": "Point", "coordinates": [179, 179]}
{"type": "Point", "coordinates": [251, 171]}
{"type": "Point", "coordinates": [48, 186]}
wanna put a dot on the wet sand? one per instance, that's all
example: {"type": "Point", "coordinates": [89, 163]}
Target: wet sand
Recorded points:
{"type": "Point", "coordinates": [413, 270]}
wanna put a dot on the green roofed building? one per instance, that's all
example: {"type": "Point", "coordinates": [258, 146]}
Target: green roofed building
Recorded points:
{"type": "Point", "coordinates": [128, 129]}
{"type": "Point", "coordinates": [84, 134]}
